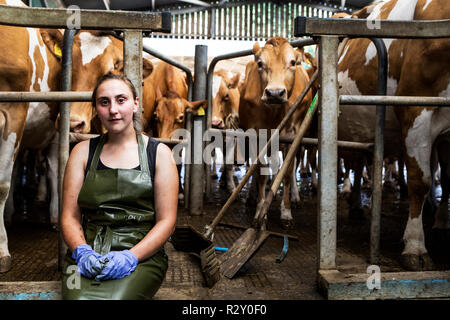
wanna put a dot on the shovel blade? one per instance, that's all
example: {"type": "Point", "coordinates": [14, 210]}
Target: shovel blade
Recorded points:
{"type": "Point", "coordinates": [242, 250]}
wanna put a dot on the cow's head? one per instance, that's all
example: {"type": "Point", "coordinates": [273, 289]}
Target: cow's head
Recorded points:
{"type": "Point", "coordinates": [225, 95]}
{"type": "Point", "coordinates": [276, 63]}
{"type": "Point", "coordinates": [170, 112]}
{"type": "Point", "coordinates": [95, 53]}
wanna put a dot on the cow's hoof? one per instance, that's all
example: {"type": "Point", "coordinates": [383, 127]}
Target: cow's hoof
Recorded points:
{"type": "Point", "coordinates": [5, 264]}
{"type": "Point", "coordinates": [303, 174]}
{"type": "Point", "coordinates": [214, 176]}
{"type": "Point", "coordinates": [287, 224]}
{"type": "Point", "coordinates": [413, 262]}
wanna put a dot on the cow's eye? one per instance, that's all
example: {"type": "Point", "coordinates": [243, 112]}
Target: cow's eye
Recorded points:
{"type": "Point", "coordinates": [292, 63]}
{"type": "Point", "coordinates": [260, 64]}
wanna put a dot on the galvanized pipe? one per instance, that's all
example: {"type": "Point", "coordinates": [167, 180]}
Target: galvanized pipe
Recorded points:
{"type": "Point", "coordinates": [60, 96]}
{"type": "Point", "coordinates": [89, 19]}
{"type": "Point", "coordinates": [197, 173]}
{"type": "Point", "coordinates": [394, 100]}
{"type": "Point", "coordinates": [132, 67]}
{"type": "Point", "coordinates": [327, 195]}
{"type": "Point", "coordinates": [358, 28]}
{"type": "Point", "coordinates": [64, 129]}
{"type": "Point", "coordinates": [378, 156]}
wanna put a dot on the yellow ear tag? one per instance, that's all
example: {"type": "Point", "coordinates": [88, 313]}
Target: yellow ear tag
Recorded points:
{"type": "Point", "coordinates": [57, 50]}
{"type": "Point", "coordinates": [200, 111]}
{"type": "Point", "coordinates": [308, 62]}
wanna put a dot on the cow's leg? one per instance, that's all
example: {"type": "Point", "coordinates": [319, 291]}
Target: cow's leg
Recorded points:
{"type": "Point", "coordinates": [41, 196]}
{"type": "Point", "coordinates": [52, 177]}
{"type": "Point", "coordinates": [441, 226]}
{"type": "Point", "coordinates": [313, 163]}
{"type": "Point", "coordinates": [9, 141]}
{"type": "Point", "coordinates": [355, 211]}
{"type": "Point", "coordinates": [303, 163]}
{"type": "Point", "coordinates": [229, 172]}
{"type": "Point", "coordinates": [295, 193]}
{"type": "Point", "coordinates": [401, 179]}
{"type": "Point", "coordinates": [415, 256]}
{"type": "Point", "coordinates": [347, 187]}
{"type": "Point", "coordinates": [287, 222]}
{"type": "Point", "coordinates": [10, 207]}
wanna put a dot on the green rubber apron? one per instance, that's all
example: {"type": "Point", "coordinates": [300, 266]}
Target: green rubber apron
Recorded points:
{"type": "Point", "coordinates": [118, 211]}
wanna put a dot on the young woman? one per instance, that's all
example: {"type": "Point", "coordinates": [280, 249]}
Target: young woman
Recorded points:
{"type": "Point", "coordinates": [119, 206]}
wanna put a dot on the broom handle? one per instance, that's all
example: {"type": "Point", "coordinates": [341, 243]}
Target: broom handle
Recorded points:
{"type": "Point", "coordinates": [288, 160]}
{"type": "Point", "coordinates": [210, 228]}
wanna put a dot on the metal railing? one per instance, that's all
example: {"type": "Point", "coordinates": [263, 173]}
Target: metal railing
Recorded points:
{"type": "Point", "coordinates": [329, 31]}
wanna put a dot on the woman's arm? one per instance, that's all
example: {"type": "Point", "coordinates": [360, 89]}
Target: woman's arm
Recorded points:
{"type": "Point", "coordinates": [166, 202]}
{"type": "Point", "coordinates": [71, 228]}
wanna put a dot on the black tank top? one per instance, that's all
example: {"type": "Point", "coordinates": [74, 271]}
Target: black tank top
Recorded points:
{"type": "Point", "coordinates": [152, 146]}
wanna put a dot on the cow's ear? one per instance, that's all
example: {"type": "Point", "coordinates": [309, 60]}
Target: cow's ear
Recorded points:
{"type": "Point", "coordinates": [53, 39]}
{"type": "Point", "coordinates": [311, 60]}
{"type": "Point", "coordinates": [300, 56]}
{"type": "Point", "coordinates": [256, 49]}
{"type": "Point", "coordinates": [158, 93]}
{"type": "Point", "coordinates": [196, 107]}
{"type": "Point", "coordinates": [235, 80]}
{"type": "Point", "coordinates": [147, 67]}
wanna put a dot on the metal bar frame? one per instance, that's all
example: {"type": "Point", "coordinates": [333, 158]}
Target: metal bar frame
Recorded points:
{"type": "Point", "coordinates": [89, 19]}
{"type": "Point", "coordinates": [329, 30]}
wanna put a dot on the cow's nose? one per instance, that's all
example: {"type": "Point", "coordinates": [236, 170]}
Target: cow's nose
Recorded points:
{"type": "Point", "coordinates": [226, 97]}
{"type": "Point", "coordinates": [275, 93]}
{"type": "Point", "coordinates": [180, 118]}
{"type": "Point", "coordinates": [217, 123]}
{"type": "Point", "coordinates": [77, 126]}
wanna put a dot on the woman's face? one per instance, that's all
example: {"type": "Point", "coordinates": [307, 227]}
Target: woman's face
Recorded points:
{"type": "Point", "coordinates": [115, 105]}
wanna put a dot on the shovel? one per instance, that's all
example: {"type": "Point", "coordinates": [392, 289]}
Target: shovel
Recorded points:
{"type": "Point", "coordinates": [252, 239]}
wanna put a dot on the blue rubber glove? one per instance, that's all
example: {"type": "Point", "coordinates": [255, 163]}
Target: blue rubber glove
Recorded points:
{"type": "Point", "coordinates": [118, 264]}
{"type": "Point", "coordinates": [87, 260]}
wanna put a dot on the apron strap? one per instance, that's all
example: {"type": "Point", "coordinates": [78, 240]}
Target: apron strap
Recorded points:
{"type": "Point", "coordinates": [143, 158]}
{"type": "Point", "coordinates": [98, 150]}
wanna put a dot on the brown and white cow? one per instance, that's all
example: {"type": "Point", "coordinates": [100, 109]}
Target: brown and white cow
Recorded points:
{"type": "Point", "coordinates": [272, 83]}
{"type": "Point", "coordinates": [28, 63]}
{"type": "Point", "coordinates": [166, 78]}
{"type": "Point", "coordinates": [416, 68]}
{"type": "Point", "coordinates": [225, 112]}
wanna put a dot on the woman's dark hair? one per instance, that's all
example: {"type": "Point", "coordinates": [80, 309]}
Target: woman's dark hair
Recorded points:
{"type": "Point", "coordinates": [112, 76]}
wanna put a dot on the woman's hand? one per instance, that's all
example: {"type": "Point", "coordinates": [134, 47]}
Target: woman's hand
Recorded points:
{"type": "Point", "coordinates": [118, 264]}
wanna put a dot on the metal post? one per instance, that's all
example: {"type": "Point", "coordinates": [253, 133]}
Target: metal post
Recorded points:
{"type": "Point", "coordinates": [197, 167]}
{"type": "Point", "coordinates": [132, 52]}
{"type": "Point", "coordinates": [327, 196]}
{"type": "Point", "coordinates": [64, 129]}
{"type": "Point", "coordinates": [378, 155]}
